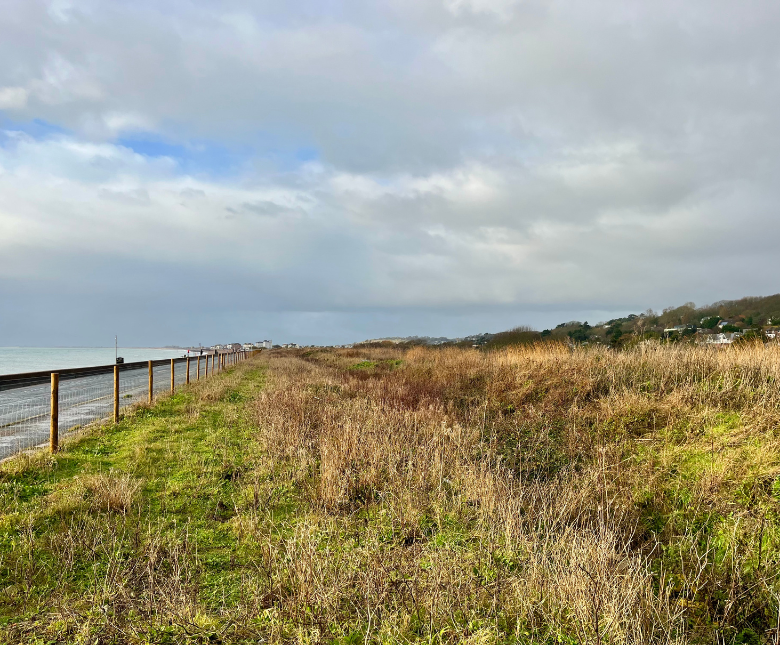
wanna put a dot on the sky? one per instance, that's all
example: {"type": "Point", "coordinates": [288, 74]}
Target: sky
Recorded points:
{"type": "Point", "coordinates": [329, 171]}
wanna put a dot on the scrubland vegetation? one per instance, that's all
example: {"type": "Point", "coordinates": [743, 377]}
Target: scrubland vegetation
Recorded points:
{"type": "Point", "coordinates": [533, 494]}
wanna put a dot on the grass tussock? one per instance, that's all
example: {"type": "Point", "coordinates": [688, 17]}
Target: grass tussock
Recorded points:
{"type": "Point", "coordinates": [535, 494]}
{"type": "Point", "coordinates": [111, 492]}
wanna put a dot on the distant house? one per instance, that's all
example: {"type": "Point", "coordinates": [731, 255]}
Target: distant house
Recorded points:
{"type": "Point", "coordinates": [722, 339]}
{"type": "Point", "coordinates": [677, 329]}
{"type": "Point", "coordinates": [723, 323]}
{"type": "Point", "coordinates": [264, 344]}
{"type": "Point", "coordinates": [247, 347]}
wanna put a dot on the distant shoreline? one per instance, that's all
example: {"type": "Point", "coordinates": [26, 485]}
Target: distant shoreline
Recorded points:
{"type": "Point", "coordinates": [171, 348]}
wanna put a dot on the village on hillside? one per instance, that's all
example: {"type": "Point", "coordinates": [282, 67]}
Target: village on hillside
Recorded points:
{"type": "Point", "coordinates": [718, 325]}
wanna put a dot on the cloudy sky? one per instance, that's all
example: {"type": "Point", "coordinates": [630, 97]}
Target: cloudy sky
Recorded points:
{"type": "Point", "coordinates": [324, 171]}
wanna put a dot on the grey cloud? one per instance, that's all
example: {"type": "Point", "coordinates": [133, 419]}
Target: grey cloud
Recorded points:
{"type": "Point", "coordinates": [269, 209]}
{"type": "Point", "coordinates": [136, 197]}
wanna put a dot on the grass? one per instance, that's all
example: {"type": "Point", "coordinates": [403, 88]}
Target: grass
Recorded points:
{"type": "Point", "coordinates": [524, 495]}
{"type": "Point", "coordinates": [126, 535]}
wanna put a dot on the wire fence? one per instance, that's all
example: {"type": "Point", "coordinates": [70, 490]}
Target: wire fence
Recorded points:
{"type": "Point", "coordinates": [87, 395]}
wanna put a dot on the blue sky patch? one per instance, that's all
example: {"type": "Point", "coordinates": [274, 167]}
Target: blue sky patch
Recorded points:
{"type": "Point", "coordinates": [215, 160]}
{"type": "Point", "coordinates": [37, 128]}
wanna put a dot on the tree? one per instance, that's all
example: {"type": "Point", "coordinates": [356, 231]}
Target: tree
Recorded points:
{"type": "Point", "coordinates": [581, 333]}
{"type": "Point", "coordinates": [752, 336]}
{"type": "Point", "coordinates": [614, 336]}
{"type": "Point", "coordinates": [709, 323]}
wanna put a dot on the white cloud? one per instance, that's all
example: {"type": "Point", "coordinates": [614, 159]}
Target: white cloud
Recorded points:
{"type": "Point", "coordinates": [501, 8]}
{"type": "Point", "coordinates": [12, 98]}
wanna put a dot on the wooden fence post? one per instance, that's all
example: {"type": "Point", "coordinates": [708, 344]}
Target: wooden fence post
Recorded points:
{"type": "Point", "coordinates": [187, 381]}
{"type": "Point", "coordinates": [116, 393]}
{"type": "Point", "coordinates": [151, 384]}
{"type": "Point", "coordinates": [54, 428]}
{"type": "Point", "coordinates": [173, 376]}
{"type": "Point", "coordinates": [197, 378]}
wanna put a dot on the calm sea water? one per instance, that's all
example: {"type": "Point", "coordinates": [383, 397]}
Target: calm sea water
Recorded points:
{"type": "Point", "coordinates": [14, 360]}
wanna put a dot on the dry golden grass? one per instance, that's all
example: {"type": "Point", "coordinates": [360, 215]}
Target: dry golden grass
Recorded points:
{"type": "Point", "coordinates": [594, 494]}
{"type": "Point", "coordinates": [111, 492]}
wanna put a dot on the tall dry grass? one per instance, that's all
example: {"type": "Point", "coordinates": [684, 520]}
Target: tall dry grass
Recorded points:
{"type": "Point", "coordinates": [525, 450]}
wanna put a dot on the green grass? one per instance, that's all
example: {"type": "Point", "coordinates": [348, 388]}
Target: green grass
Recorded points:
{"type": "Point", "coordinates": [363, 365]}
{"type": "Point", "coordinates": [387, 365]}
{"type": "Point", "coordinates": [72, 570]}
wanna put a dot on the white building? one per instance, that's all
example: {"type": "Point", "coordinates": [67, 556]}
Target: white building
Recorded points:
{"type": "Point", "coordinates": [264, 344]}
{"type": "Point", "coordinates": [722, 339]}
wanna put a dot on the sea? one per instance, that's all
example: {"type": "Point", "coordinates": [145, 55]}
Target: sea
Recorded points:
{"type": "Point", "coordinates": [16, 360]}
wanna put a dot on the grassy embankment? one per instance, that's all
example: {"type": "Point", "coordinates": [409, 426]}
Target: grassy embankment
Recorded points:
{"type": "Point", "coordinates": [526, 495]}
